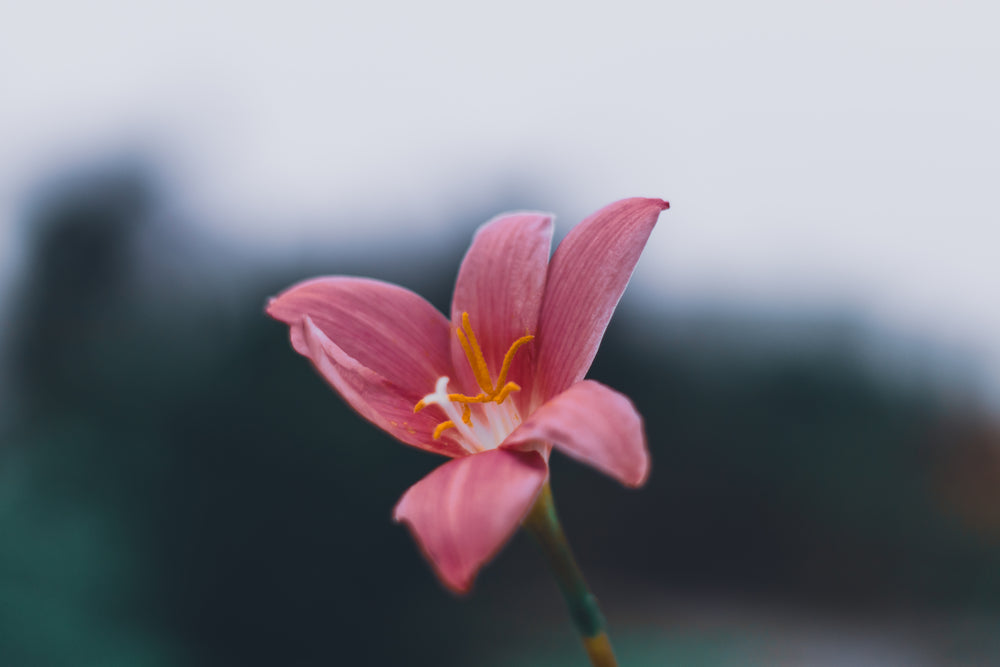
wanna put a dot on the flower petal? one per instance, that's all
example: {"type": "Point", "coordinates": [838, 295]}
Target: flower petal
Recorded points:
{"type": "Point", "coordinates": [376, 399]}
{"type": "Point", "coordinates": [594, 424]}
{"type": "Point", "coordinates": [385, 327]}
{"type": "Point", "coordinates": [381, 346]}
{"type": "Point", "coordinates": [463, 512]}
{"type": "Point", "coordinates": [500, 285]}
{"type": "Point", "coordinates": [586, 278]}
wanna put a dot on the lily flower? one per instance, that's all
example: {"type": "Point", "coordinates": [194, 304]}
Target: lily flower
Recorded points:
{"type": "Point", "coordinates": [498, 386]}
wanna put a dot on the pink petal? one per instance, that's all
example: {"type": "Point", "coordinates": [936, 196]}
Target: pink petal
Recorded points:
{"type": "Point", "coordinates": [586, 278]}
{"type": "Point", "coordinates": [387, 328]}
{"type": "Point", "coordinates": [463, 512]}
{"type": "Point", "coordinates": [376, 399]}
{"type": "Point", "coordinates": [500, 285]}
{"type": "Point", "coordinates": [381, 346]}
{"type": "Point", "coordinates": [594, 424]}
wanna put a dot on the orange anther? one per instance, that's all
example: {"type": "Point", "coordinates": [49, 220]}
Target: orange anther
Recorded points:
{"type": "Point", "coordinates": [442, 427]}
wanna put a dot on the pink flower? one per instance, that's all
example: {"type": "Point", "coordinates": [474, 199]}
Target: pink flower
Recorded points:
{"type": "Point", "coordinates": [498, 386]}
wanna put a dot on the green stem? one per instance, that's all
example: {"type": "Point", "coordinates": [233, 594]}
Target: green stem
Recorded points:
{"type": "Point", "coordinates": [543, 524]}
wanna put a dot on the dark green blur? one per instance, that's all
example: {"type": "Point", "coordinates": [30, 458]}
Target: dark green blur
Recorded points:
{"type": "Point", "coordinates": [178, 487]}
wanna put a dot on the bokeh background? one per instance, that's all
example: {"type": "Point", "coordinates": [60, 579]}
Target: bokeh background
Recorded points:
{"type": "Point", "coordinates": [812, 334]}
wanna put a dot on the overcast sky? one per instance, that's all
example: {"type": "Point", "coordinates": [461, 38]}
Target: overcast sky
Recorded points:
{"type": "Point", "coordinates": [838, 153]}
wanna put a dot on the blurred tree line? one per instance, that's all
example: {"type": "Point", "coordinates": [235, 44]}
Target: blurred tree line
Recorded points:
{"type": "Point", "coordinates": [177, 487]}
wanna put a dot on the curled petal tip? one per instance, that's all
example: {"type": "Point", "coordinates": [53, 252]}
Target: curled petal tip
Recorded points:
{"type": "Point", "coordinates": [662, 204]}
{"type": "Point", "coordinates": [640, 479]}
{"type": "Point", "coordinates": [641, 202]}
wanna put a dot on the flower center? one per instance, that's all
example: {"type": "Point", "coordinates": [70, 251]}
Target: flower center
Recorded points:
{"type": "Point", "coordinates": [495, 417]}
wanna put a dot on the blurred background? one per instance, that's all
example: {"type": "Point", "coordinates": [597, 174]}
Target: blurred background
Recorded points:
{"type": "Point", "coordinates": [812, 334]}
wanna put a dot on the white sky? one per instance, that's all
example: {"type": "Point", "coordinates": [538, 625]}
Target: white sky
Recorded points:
{"type": "Point", "coordinates": [839, 152]}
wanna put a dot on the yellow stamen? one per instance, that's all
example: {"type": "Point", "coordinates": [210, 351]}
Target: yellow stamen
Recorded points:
{"type": "Point", "coordinates": [462, 398]}
{"type": "Point", "coordinates": [442, 427]}
{"type": "Point", "coordinates": [503, 393]}
{"type": "Point", "coordinates": [467, 338]}
{"type": "Point", "coordinates": [491, 392]}
{"type": "Point", "coordinates": [509, 358]}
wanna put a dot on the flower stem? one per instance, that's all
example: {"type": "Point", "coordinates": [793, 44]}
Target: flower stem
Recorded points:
{"type": "Point", "coordinates": [543, 524]}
